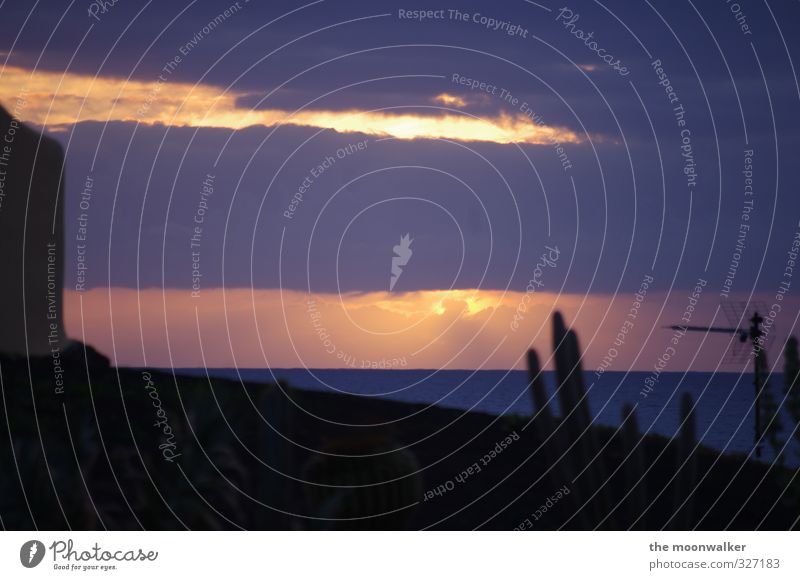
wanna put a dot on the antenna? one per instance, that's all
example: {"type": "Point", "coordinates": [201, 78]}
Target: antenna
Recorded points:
{"type": "Point", "coordinates": [739, 314]}
{"type": "Point", "coordinates": [744, 327]}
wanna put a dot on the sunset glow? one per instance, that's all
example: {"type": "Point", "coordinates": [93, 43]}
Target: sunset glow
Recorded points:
{"type": "Point", "coordinates": [424, 329]}
{"type": "Point", "coordinates": [57, 100]}
{"type": "Point", "coordinates": [450, 100]}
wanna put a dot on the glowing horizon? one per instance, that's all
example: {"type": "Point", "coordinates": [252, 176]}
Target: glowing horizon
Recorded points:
{"type": "Point", "coordinates": [448, 329]}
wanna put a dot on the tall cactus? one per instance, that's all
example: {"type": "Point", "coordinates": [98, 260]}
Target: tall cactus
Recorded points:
{"type": "Point", "coordinates": [575, 445]}
{"type": "Point", "coordinates": [791, 386]}
{"type": "Point", "coordinates": [572, 395]}
{"type": "Point", "coordinates": [769, 420]}
{"type": "Point", "coordinates": [685, 465]}
{"type": "Point", "coordinates": [543, 417]}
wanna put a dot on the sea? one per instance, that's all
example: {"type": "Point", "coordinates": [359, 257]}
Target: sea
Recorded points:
{"type": "Point", "coordinates": [723, 411]}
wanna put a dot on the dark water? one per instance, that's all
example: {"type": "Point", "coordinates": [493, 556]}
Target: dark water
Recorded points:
{"type": "Point", "coordinates": [723, 412]}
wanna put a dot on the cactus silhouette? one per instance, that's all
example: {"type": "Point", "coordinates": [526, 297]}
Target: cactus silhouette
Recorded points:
{"type": "Point", "coordinates": [791, 386]}
{"type": "Point", "coordinates": [769, 424]}
{"type": "Point", "coordinates": [686, 469]}
{"type": "Point", "coordinates": [576, 455]}
{"type": "Point", "coordinates": [791, 364]}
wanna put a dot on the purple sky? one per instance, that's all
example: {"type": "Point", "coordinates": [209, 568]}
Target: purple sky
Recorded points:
{"type": "Point", "coordinates": [480, 213]}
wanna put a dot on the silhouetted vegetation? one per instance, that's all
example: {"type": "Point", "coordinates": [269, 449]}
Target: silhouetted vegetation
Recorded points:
{"type": "Point", "coordinates": [270, 457]}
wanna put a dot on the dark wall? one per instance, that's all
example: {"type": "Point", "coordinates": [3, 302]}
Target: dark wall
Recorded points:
{"type": "Point", "coordinates": [31, 240]}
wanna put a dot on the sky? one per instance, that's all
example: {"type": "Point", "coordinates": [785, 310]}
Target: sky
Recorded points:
{"type": "Point", "coordinates": [240, 176]}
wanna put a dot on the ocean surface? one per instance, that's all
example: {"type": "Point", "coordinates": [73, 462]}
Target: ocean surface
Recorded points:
{"type": "Point", "coordinates": [723, 413]}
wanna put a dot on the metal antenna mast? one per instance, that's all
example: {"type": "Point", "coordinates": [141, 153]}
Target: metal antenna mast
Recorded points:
{"type": "Point", "coordinates": [735, 315]}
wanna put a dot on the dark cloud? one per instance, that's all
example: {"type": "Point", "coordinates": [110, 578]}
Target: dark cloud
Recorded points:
{"type": "Point", "coordinates": [341, 234]}
{"type": "Point", "coordinates": [620, 218]}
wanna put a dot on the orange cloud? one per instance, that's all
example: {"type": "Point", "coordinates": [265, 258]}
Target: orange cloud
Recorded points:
{"type": "Point", "coordinates": [56, 100]}
{"type": "Point", "coordinates": [449, 100]}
